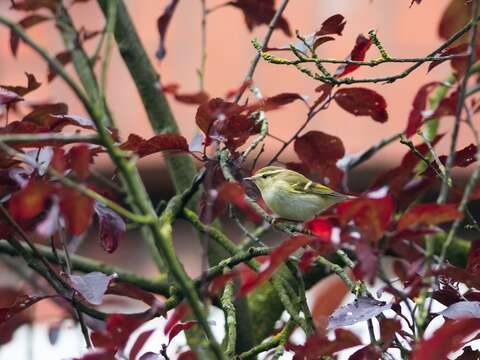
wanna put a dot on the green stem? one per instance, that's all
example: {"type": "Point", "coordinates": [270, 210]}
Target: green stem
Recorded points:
{"type": "Point", "coordinates": [84, 264]}
{"type": "Point", "coordinates": [230, 319]}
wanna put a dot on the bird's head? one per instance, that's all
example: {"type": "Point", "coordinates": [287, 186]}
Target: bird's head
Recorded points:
{"type": "Point", "coordinates": [264, 177]}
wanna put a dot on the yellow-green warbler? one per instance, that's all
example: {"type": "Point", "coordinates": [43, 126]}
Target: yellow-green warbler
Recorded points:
{"type": "Point", "coordinates": [292, 196]}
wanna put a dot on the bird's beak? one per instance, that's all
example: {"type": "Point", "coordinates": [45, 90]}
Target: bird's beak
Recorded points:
{"type": "Point", "coordinates": [248, 178]}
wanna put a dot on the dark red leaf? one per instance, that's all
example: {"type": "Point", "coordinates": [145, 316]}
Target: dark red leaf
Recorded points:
{"type": "Point", "coordinates": [111, 225]}
{"type": "Point", "coordinates": [186, 355]}
{"type": "Point", "coordinates": [455, 16]}
{"type": "Point", "coordinates": [64, 58]}
{"type": "Point", "coordinates": [448, 338]}
{"type": "Point", "coordinates": [362, 309]}
{"type": "Point", "coordinates": [32, 84]}
{"type": "Point", "coordinates": [131, 291]}
{"type": "Point", "coordinates": [275, 259]}
{"type": "Point", "coordinates": [234, 92]}
{"type": "Point", "coordinates": [30, 201]}
{"type": "Point", "coordinates": [178, 314]}
{"type": "Point", "coordinates": [58, 161]}
{"type": "Point", "coordinates": [365, 353]}
{"type": "Point", "coordinates": [322, 40]}
{"type": "Point", "coordinates": [197, 98]}
{"type": "Point", "coordinates": [21, 304]}
{"type": "Point", "coordinates": [98, 354]}
{"type": "Point", "coordinates": [25, 23]}
{"type": "Point", "coordinates": [139, 343]}
{"type": "Point", "coordinates": [158, 143]}
{"type": "Point", "coordinates": [469, 354]}
{"type": "Point", "coordinates": [162, 27]}
{"type": "Point", "coordinates": [415, 2]}
{"type": "Point", "coordinates": [473, 261]}
{"type": "Point", "coordinates": [318, 346]}
{"type": "Point", "coordinates": [362, 102]}
{"type": "Point", "coordinates": [117, 331]}
{"type": "Point", "coordinates": [33, 5]}
{"type": "Point", "coordinates": [258, 12]}
{"type": "Point", "coordinates": [91, 286]}
{"type": "Point", "coordinates": [276, 101]}
{"type": "Point", "coordinates": [80, 159]}
{"type": "Point", "coordinates": [388, 329]}
{"type": "Point", "coordinates": [179, 327]}
{"type": "Point", "coordinates": [371, 214]}
{"type": "Point", "coordinates": [458, 64]}
{"type": "Point", "coordinates": [77, 210]}
{"type": "Point", "coordinates": [367, 264]}
{"type": "Point", "coordinates": [357, 54]}
{"type": "Point", "coordinates": [227, 122]}
{"type": "Point", "coordinates": [429, 214]}
{"type": "Point", "coordinates": [220, 281]}
{"type": "Point", "coordinates": [317, 148]}
{"type": "Point", "coordinates": [333, 25]}
{"type": "Point", "coordinates": [415, 119]}
{"type": "Point", "coordinates": [235, 194]}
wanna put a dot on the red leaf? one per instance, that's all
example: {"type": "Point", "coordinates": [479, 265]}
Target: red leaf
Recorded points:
{"type": "Point", "coordinates": [321, 227]}
{"type": "Point", "coordinates": [33, 5]}
{"type": "Point", "coordinates": [77, 210]}
{"type": "Point", "coordinates": [455, 16]}
{"type": "Point", "coordinates": [162, 27]}
{"type": "Point", "coordinates": [275, 259]}
{"type": "Point", "coordinates": [234, 92]}
{"type": "Point", "coordinates": [58, 161]}
{"type": "Point", "coordinates": [227, 122]}
{"type": "Point", "coordinates": [179, 328]}
{"type": "Point", "coordinates": [117, 331]}
{"type": "Point", "coordinates": [371, 214]}
{"type": "Point", "coordinates": [276, 101]}
{"type": "Point", "coordinates": [367, 264]}
{"type": "Point", "coordinates": [415, 119]}
{"type": "Point", "coordinates": [318, 345]}
{"type": "Point", "coordinates": [459, 63]}
{"type": "Point", "coordinates": [80, 159]}
{"type": "Point", "coordinates": [473, 261]}
{"type": "Point", "coordinates": [178, 314]}
{"type": "Point", "coordinates": [162, 142]}
{"type": "Point", "coordinates": [235, 194]}
{"type": "Point", "coordinates": [317, 148]}
{"type": "Point", "coordinates": [429, 214]}
{"type": "Point", "coordinates": [32, 84]}
{"type": "Point", "coordinates": [111, 225]}
{"type": "Point", "coordinates": [357, 54]}
{"type": "Point", "coordinates": [31, 200]}
{"type": "Point", "coordinates": [64, 58]}
{"type": "Point", "coordinates": [139, 343]}
{"type": "Point", "coordinates": [333, 25]}
{"type": "Point", "coordinates": [258, 12]}
{"type": "Point", "coordinates": [131, 291]}
{"type": "Point", "coordinates": [25, 23]}
{"type": "Point", "coordinates": [21, 304]}
{"type": "Point", "coordinates": [197, 98]}
{"type": "Point", "coordinates": [362, 102]}
{"type": "Point", "coordinates": [448, 338]}
{"type": "Point", "coordinates": [388, 329]}
{"type": "Point", "coordinates": [98, 354]}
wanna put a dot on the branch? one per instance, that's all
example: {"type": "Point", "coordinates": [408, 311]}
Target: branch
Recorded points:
{"type": "Point", "coordinates": [442, 197]}
{"type": "Point", "coordinates": [266, 39]}
{"type": "Point", "coordinates": [50, 137]}
{"type": "Point", "coordinates": [147, 81]}
{"type": "Point", "coordinates": [86, 265]}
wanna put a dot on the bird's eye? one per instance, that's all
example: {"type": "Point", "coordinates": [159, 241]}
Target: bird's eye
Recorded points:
{"type": "Point", "coordinates": [264, 176]}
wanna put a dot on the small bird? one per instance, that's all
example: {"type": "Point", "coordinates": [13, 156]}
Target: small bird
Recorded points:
{"type": "Point", "coordinates": [292, 196]}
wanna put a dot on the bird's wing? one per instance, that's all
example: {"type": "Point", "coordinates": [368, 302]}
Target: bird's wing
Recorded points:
{"type": "Point", "coordinates": [311, 187]}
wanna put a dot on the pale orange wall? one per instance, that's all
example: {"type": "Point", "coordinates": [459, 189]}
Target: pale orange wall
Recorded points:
{"type": "Point", "coordinates": [404, 31]}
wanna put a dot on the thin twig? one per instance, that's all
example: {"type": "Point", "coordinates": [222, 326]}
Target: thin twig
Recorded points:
{"type": "Point", "coordinates": [266, 40]}
{"type": "Point", "coordinates": [442, 197]}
